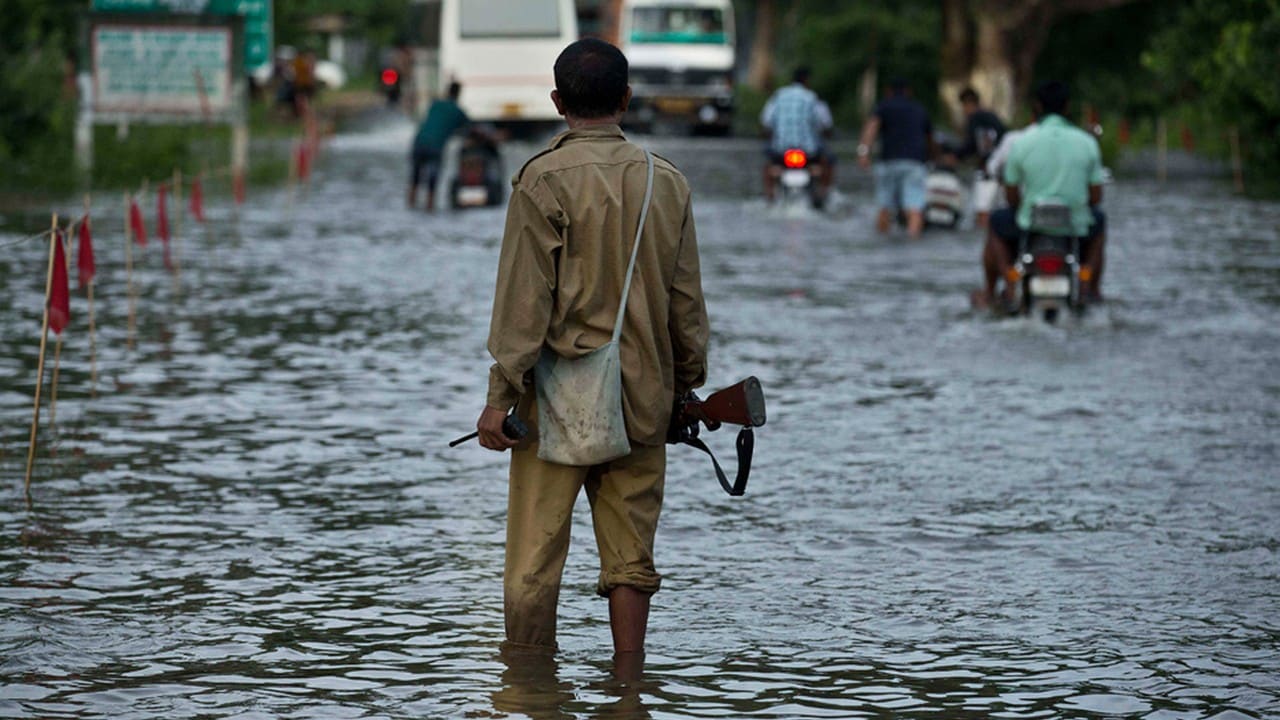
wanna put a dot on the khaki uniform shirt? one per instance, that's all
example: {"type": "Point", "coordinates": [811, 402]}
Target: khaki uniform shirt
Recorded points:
{"type": "Point", "coordinates": [570, 227]}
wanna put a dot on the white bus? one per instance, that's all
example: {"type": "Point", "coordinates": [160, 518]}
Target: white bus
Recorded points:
{"type": "Point", "coordinates": [501, 51]}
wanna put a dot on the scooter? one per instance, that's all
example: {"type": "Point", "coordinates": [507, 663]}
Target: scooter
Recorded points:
{"type": "Point", "coordinates": [478, 182]}
{"type": "Point", "coordinates": [944, 198]}
{"type": "Point", "coordinates": [1048, 268]}
{"type": "Point", "coordinates": [798, 178]}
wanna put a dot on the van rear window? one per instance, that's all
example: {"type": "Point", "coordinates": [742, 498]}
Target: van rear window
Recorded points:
{"type": "Point", "coordinates": [676, 24]}
{"type": "Point", "coordinates": [503, 18]}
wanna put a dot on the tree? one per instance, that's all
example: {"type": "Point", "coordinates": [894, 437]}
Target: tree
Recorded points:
{"type": "Point", "coordinates": [760, 68]}
{"type": "Point", "coordinates": [1224, 56]}
{"type": "Point", "coordinates": [851, 47]}
{"type": "Point", "coordinates": [992, 46]}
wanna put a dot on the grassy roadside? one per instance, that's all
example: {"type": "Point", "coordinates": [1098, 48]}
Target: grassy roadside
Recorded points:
{"type": "Point", "coordinates": [124, 157]}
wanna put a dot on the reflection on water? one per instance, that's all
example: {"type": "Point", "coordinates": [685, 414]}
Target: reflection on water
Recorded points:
{"type": "Point", "coordinates": [949, 516]}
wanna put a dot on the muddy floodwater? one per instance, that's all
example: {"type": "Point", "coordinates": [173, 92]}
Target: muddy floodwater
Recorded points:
{"type": "Point", "coordinates": [949, 517]}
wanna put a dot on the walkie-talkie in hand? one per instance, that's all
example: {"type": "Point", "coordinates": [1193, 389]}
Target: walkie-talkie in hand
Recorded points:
{"type": "Point", "coordinates": [513, 427]}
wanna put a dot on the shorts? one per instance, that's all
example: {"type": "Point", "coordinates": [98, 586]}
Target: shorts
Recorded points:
{"type": "Point", "coordinates": [986, 194]}
{"type": "Point", "coordinates": [425, 162]}
{"type": "Point", "coordinates": [1004, 224]}
{"type": "Point", "coordinates": [900, 184]}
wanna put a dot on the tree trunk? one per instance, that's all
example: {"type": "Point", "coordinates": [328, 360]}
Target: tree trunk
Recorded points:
{"type": "Point", "coordinates": [760, 69]}
{"type": "Point", "coordinates": [992, 46]}
{"type": "Point", "coordinates": [957, 56]}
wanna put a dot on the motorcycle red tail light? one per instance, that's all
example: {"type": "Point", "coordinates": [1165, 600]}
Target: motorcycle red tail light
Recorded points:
{"type": "Point", "coordinates": [1049, 264]}
{"type": "Point", "coordinates": [390, 76]}
{"type": "Point", "coordinates": [794, 159]}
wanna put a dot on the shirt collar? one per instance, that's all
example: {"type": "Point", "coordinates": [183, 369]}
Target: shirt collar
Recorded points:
{"type": "Point", "coordinates": [592, 131]}
{"type": "Point", "coordinates": [1053, 119]}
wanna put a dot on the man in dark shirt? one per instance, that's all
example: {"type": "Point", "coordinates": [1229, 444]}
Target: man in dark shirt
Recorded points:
{"type": "Point", "coordinates": [982, 134]}
{"type": "Point", "coordinates": [444, 118]}
{"type": "Point", "coordinates": [906, 143]}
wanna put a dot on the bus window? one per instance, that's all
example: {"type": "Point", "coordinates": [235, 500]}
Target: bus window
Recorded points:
{"type": "Point", "coordinates": [502, 18]}
{"type": "Point", "coordinates": [675, 24]}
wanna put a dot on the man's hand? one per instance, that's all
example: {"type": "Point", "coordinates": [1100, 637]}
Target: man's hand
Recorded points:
{"type": "Point", "coordinates": [490, 428]}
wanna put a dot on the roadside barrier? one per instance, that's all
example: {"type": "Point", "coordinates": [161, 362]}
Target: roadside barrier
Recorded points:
{"type": "Point", "coordinates": [169, 213]}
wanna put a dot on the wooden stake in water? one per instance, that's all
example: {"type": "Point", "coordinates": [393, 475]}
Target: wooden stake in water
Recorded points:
{"type": "Point", "coordinates": [1162, 151]}
{"type": "Point", "coordinates": [44, 338]}
{"type": "Point", "coordinates": [128, 269]}
{"type": "Point", "coordinates": [93, 329]}
{"type": "Point", "coordinates": [1237, 162]}
{"type": "Point", "coordinates": [177, 230]}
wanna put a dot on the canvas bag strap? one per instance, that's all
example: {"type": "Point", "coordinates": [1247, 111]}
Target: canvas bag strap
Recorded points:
{"type": "Point", "coordinates": [635, 249]}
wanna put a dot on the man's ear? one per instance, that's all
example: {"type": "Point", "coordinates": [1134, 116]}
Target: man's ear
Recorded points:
{"type": "Point", "coordinates": [555, 99]}
{"type": "Point", "coordinates": [626, 100]}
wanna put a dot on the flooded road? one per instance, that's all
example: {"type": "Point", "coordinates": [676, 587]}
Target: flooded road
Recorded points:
{"type": "Point", "coordinates": [949, 516]}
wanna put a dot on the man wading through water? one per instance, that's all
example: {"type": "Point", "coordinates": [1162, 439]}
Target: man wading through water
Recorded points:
{"type": "Point", "coordinates": [570, 226]}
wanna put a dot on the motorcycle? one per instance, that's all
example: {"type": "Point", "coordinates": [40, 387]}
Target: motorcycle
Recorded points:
{"type": "Point", "coordinates": [798, 178]}
{"type": "Point", "coordinates": [478, 182]}
{"type": "Point", "coordinates": [389, 81]}
{"type": "Point", "coordinates": [1048, 269]}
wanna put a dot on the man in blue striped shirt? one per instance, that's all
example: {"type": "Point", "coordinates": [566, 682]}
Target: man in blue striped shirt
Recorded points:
{"type": "Point", "coordinates": [795, 117]}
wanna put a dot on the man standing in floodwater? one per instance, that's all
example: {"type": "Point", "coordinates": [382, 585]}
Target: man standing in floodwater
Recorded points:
{"type": "Point", "coordinates": [571, 222]}
{"type": "Point", "coordinates": [906, 143]}
{"type": "Point", "coordinates": [443, 119]}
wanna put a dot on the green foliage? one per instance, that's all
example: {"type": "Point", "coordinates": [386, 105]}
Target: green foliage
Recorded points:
{"type": "Point", "coordinates": [381, 21]}
{"type": "Point", "coordinates": [1222, 57]}
{"type": "Point", "coordinates": [839, 40]}
{"type": "Point", "coordinates": [36, 100]}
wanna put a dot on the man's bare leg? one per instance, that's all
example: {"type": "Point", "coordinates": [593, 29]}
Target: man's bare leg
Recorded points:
{"type": "Point", "coordinates": [768, 182]}
{"type": "Point", "coordinates": [628, 618]}
{"type": "Point", "coordinates": [981, 220]}
{"type": "Point", "coordinates": [884, 220]}
{"type": "Point", "coordinates": [431, 198]}
{"type": "Point", "coordinates": [413, 194]}
{"type": "Point", "coordinates": [915, 223]}
{"type": "Point", "coordinates": [1096, 261]}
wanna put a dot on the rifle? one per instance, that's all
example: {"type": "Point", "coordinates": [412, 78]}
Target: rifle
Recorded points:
{"type": "Point", "coordinates": [739, 404]}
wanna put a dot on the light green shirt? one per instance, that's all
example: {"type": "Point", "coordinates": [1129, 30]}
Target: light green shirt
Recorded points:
{"type": "Point", "coordinates": [1055, 162]}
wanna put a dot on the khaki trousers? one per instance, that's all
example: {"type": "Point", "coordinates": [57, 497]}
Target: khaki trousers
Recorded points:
{"type": "Point", "coordinates": [626, 498]}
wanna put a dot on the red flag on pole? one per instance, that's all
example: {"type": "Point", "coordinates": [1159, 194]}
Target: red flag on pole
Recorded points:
{"type": "Point", "coordinates": [59, 293]}
{"type": "Point", "coordinates": [197, 199]}
{"type": "Point", "coordinates": [84, 263]}
{"type": "Point", "coordinates": [162, 223]}
{"type": "Point", "coordinates": [135, 222]}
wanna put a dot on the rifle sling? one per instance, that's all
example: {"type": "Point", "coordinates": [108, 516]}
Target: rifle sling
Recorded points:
{"type": "Point", "coordinates": [746, 443]}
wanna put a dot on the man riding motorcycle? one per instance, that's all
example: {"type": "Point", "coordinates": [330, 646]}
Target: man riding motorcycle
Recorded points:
{"type": "Point", "coordinates": [1053, 161]}
{"type": "Point", "coordinates": [795, 117]}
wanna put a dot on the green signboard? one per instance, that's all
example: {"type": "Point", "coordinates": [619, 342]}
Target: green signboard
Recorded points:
{"type": "Point", "coordinates": [162, 69]}
{"type": "Point", "coordinates": [256, 13]}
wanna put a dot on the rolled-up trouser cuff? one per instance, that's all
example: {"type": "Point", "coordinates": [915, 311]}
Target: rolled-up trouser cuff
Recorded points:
{"type": "Point", "coordinates": [519, 649]}
{"type": "Point", "coordinates": [643, 580]}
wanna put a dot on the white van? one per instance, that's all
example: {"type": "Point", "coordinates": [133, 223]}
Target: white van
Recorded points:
{"type": "Point", "coordinates": [501, 51]}
{"type": "Point", "coordinates": [681, 57]}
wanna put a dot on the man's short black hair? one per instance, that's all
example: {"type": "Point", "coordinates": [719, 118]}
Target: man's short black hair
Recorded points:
{"type": "Point", "coordinates": [455, 89]}
{"type": "Point", "coordinates": [801, 75]}
{"type": "Point", "coordinates": [898, 85]}
{"type": "Point", "coordinates": [591, 77]}
{"type": "Point", "coordinates": [1052, 97]}
{"type": "Point", "coordinates": [969, 95]}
